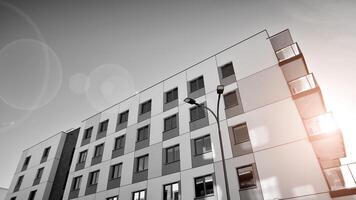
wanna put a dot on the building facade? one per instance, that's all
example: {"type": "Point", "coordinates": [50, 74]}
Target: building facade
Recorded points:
{"type": "Point", "coordinates": [154, 146]}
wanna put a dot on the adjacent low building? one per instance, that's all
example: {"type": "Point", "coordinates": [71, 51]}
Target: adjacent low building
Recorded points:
{"type": "Point", "coordinates": [154, 146]}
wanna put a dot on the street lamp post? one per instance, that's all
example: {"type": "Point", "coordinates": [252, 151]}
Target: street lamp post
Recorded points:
{"type": "Point", "coordinates": [219, 91]}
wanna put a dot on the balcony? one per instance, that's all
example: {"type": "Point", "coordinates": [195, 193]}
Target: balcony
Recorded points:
{"type": "Point", "coordinates": [302, 84]}
{"type": "Point", "coordinates": [322, 124]}
{"type": "Point", "coordinates": [288, 52]}
{"type": "Point", "coordinates": [341, 180]}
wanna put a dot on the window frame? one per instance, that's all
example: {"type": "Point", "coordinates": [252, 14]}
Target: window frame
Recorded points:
{"type": "Point", "coordinates": [113, 198]}
{"type": "Point", "coordinates": [88, 133]}
{"type": "Point", "coordinates": [174, 151]}
{"type": "Point", "coordinates": [46, 152]}
{"type": "Point", "coordinates": [172, 123]}
{"type": "Point", "coordinates": [199, 116]}
{"type": "Point", "coordinates": [142, 107]}
{"type": "Point", "coordinates": [76, 182]}
{"type": "Point", "coordinates": [171, 190]}
{"type": "Point", "coordinates": [227, 65]}
{"type": "Point", "coordinates": [145, 134]}
{"type": "Point", "coordinates": [203, 138]}
{"type": "Point", "coordinates": [96, 150]}
{"type": "Point", "coordinates": [236, 103]}
{"type": "Point", "coordinates": [32, 195]}
{"type": "Point", "coordinates": [204, 183]}
{"type": "Point", "coordinates": [120, 138]}
{"type": "Point", "coordinates": [91, 177]}
{"type": "Point", "coordinates": [254, 178]}
{"type": "Point", "coordinates": [122, 115]}
{"type": "Point", "coordinates": [235, 134]}
{"type": "Point", "coordinates": [39, 173]}
{"type": "Point", "coordinates": [19, 182]}
{"type": "Point", "coordinates": [112, 171]}
{"type": "Point", "coordinates": [196, 84]}
{"type": "Point", "coordinates": [101, 125]}
{"type": "Point", "coordinates": [171, 95]}
{"type": "Point", "coordinates": [145, 163]}
{"type": "Point", "coordinates": [139, 194]}
{"type": "Point", "coordinates": [26, 163]}
{"type": "Point", "coordinates": [85, 153]}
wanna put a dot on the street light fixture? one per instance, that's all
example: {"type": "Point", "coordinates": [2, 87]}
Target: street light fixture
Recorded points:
{"type": "Point", "coordinates": [219, 91]}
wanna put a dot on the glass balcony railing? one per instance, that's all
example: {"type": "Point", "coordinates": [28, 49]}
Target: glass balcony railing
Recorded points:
{"type": "Point", "coordinates": [340, 178]}
{"type": "Point", "coordinates": [322, 124]}
{"type": "Point", "coordinates": [302, 84]}
{"type": "Point", "coordinates": [288, 52]}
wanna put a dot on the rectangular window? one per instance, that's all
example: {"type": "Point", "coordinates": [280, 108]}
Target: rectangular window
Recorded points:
{"type": "Point", "coordinates": [87, 133]}
{"type": "Point", "coordinates": [202, 145]}
{"type": "Point", "coordinates": [18, 183]}
{"type": "Point", "coordinates": [139, 195]}
{"type": "Point", "coordinates": [142, 133]}
{"type": "Point", "coordinates": [83, 156]}
{"type": "Point", "coordinates": [32, 195]}
{"type": "Point", "coordinates": [240, 133]}
{"type": "Point", "coordinates": [170, 123]}
{"type": "Point", "coordinates": [204, 186]}
{"type": "Point", "coordinates": [230, 99]}
{"type": "Point", "coordinates": [27, 161]}
{"type": "Point", "coordinates": [115, 171]}
{"type": "Point", "coordinates": [246, 177]}
{"type": "Point", "coordinates": [13, 198]}
{"type": "Point", "coordinates": [119, 142]}
{"type": "Point", "coordinates": [39, 173]}
{"type": "Point", "coordinates": [172, 154]}
{"type": "Point", "coordinates": [103, 126]}
{"type": "Point", "coordinates": [93, 177]}
{"type": "Point", "coordinates": [113, 198]}
{"type": "Point", "coordinates": [124, 117]}
{"type": "Point", "coordinates": [146, 107]}
{"type": "Point", "coordinates": [99, 149]}
{"type": "Point", "coordinates": [46, 152]}
{"type": "Point", "coordinates": [196, 84]}
{"type": "Point", "coordinates": [172, 95]}
{"type": "Point", "coordinates": [76, 183]}
{"type": "Point", "coordinates": [196, 113]}
{"type": "Point", "coordinates": [142, 163]}
{"type": "Point", "coordinates": [171, 191]}
{"type": "Point", "coordinates": [227, 70]}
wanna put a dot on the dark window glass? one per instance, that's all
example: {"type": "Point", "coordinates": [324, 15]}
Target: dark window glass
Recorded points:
{"type": "Point", "coordinates": [202, 145]}
{"type": "Point", "coordinates": [76, 182]}
{"type": "Point", "coordinates": [27, 161]}
{"type": "Point", "coordinates": [240, 133]}
{"type": "Point", "coordinates": [246, 177]}
{"type": "Point", "coordinates": [172, 154]}
{"type": "Point", "coordinates": [82, 156]}
{"type": "Point", "coordinates": [115, 171]}
{"type": "Point", "coordinates": [139, 195]}
{"type": "Point", "coordinates": [39, 173]}
{"type": "Point", "coordinates": [103, 126]}
{"type": "Point", "coordinates": [170, 123]}
{"type": "Point", "coordinates": [204, 186]}
{"type": "Point", "coordinates": [146, 107]}
{"type": "Point", "coordinates": [196, 84]}
{"type": "Point", "coordinates": [13, 198]}
{"type": "Point", "coordinates": [119, 142]}
{"type": "Point", "coordinates": [46, 152]}
{"type": "Point", "coordinates": [32, 195]}
{"type": "Point", "coordinates": [87, 133]}
{"type": "Point", "coordinates": [18, 183]}
{"type": "Point", "coordinates": [124, 117]}
{"type": "Point", "coordinates": [142, 133]}
{"type": "Point", "coordinates": [99, 149]}
{"type": "Point", "coordinates": [171, 191]}
{"type": "Point", "coordinates": [93, 177]}
{"type": "Point", "coordinates": [230, 99]}
{"type": "Point", "coordinates": [197, 113]}
{"type": "Point", "coordinates": [113, 198]}
{"type": "Point", "coordinates": [142, 163]}
{"type": "Point", "coordinates": [172, 95]}
{"type": "Point", "coordinates": [227, 70]}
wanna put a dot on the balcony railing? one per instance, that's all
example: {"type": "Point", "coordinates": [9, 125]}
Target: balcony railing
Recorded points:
{"type": "Point", "coordinates": [341, 178]}
{"type": "Point", "coordinates": [288, 52]}
{"type": "Point", "coordinates": [302, 84]}
{"type": "Point", "coordinates": [322, 124]}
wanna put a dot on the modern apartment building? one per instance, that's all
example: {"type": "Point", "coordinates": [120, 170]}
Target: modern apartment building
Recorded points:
{"type": "Point", "coordinates": [278, 138]}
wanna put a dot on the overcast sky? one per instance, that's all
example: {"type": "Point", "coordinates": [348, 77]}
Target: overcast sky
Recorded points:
{"type": "Point", "coordinates": [61, 62]}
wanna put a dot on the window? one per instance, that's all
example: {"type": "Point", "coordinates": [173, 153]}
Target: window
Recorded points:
{"type": "Point", "coordinates": [197, 113]}
{"type": "Point", "coordinates": [204, 186]}
{"type": "Point", "coordinates": [76, 183]}
{"type": "Point", "coordinates": [196, 84]}
{"type": "Point", "coordinates": [230, 99]}
{"type": "Point", "coordinates": [113, 198]}
{"type": "Point", "coordinates": [146, 107]}
{"type": "Point", "coordinates": [171, 191]}
{"type": "Point", "coordinates": [87, 133]}
{"type": "Point", "coordinates": [202, 145]}
{"type": "Point", "coordinates": [123, 117]}
{"type": "Point", "coordinates": [18, 183]}
{"type": "Point", "coordinates": [83, 156]}
{"type": "Point", "coordinates": [115, 171]}
{"type": "Point", "coordinates": [142, 133]}
{"type": "Point", "coordinates": [139, 195]}
{"type": "Point", "coordinates": [172, 95]}
{"type": "Point", "coordinates": [25, 164]}
{"type": "Point", "coordinates": [119, 142]}
{"type": "Point", "coordinates": [39, 173]}
{"type": "Point", "coordinates": [240, 133]}
{"type": "Point", "coordinates": [172, 154]}
{"type": "Point", "coordinates": [32, 195]}
{"type": "Point", "coordinates": [246, 177]}
{"type": "Point", "coordinates": [46, 152]}
{"type": "Point", "coordinates": [227, 70]}
{"type": "Point", "coordinates": [103, 126]}
{"type": "Point", "coordinates": [170, 123]}
{"type": "Point", "coordinates": [93, 177]}
{"type": "Point", "coordinates": [13, 198]}
{"type": "Point", "coordinates": [142, 163]}
{"type": "Point", "coordinates": [99, 150]}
